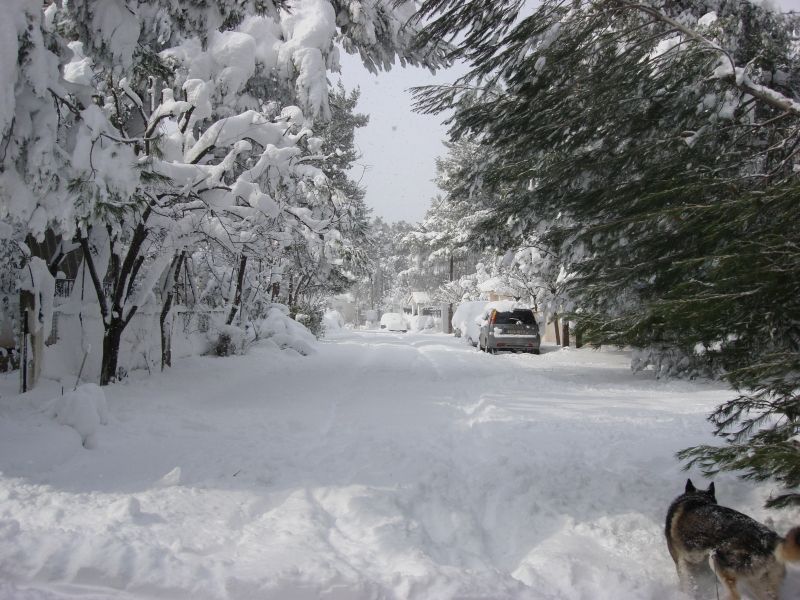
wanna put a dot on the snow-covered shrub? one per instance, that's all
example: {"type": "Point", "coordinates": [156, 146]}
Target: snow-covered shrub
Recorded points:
{"type": "Point", "coordinates": [311, 317]}
{"type": "Point", "coordinates": [285, 332]}
{"type": "Point", "coordinates": [670, 361]}
{"type": "Point", "coordinates": [372, 319]}
{"type": "Point", "coordinates": [84, 410]}
{"type": "Point", "coordinates": [278, 327]}
{"type": "Point", "coordinates": [9, 360]}
{"type": "Point", "coordinates": [421, 322]}
{"type": "Point", "coordinates": [332, 320]}
{"type": "Point", "coordinates": [10, 257]}
{"type": "Point", "coordinates": [226, 340]}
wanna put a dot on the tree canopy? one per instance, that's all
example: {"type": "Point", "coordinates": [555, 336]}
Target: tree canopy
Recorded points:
{"type": "Point", "coordinates": [653, 149]}
{"type": "Point", "coordinates": [153, 135]}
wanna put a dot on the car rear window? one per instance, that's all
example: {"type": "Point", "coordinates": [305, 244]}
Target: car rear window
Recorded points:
{"type": "Point", "coordinates": [515, 316]}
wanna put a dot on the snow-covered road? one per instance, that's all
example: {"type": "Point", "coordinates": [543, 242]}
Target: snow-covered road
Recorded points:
{"type": "Point", "coordinates": [384, 466]}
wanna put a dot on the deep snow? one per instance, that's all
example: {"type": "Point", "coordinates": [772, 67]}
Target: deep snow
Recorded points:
{"type": "Point", "coordinates": [381, 466]}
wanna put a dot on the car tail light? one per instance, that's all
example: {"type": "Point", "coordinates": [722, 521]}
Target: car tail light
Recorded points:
{"type": "Point", "coordinates": [492, 317]}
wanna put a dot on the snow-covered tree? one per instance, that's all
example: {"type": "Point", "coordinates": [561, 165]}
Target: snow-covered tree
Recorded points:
{"type": "Point", "coordinates": [159, 128]}
{"type": "Point", "coordinates": [380, 286]}
{"type": "Point", "coordinates": [652, 149]}
{"type": "Point", "coordinates": [447, 245]}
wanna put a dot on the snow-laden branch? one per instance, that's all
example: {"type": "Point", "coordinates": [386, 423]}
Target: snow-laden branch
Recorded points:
{"type": "Point", "coordinates": [250, 124]}
{"type": "Point", "coordinates": [169, 107]}
{"type": "Point", "coordinates": [729, 70]}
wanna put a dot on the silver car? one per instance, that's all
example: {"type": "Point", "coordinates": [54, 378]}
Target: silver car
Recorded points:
{"type": "Point", "coordinates": [515, 330]}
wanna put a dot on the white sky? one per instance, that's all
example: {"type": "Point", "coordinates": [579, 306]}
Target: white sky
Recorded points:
{"type": "Point", "coordinates": [399, 147]}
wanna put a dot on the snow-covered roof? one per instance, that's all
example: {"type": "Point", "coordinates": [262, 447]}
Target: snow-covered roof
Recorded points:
{"type": "Point", "coordinates": [420, 297]}
{"type": "Point", "coordinates": [498, 286]}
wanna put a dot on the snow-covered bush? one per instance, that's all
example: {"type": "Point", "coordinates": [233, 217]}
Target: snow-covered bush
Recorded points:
{"type": "Point", "coordinates": [311, 317]}
{"type": "Point", "coordinates": [226, 340]}
{"type": "Point", "coordinates": [421, 322]}
{"type": "Point", "coordinates": [332, 320]}
{"type": "Point", "coordinates": [83, 409]}
{"type": "Point", "coordinates": [283, 331]}
{"type": "Point", "coordinates": [670, 361]}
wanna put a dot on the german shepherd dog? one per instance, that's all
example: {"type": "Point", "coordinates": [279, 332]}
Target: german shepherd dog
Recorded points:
{"type": "Point", "coordinates": [738, 548]}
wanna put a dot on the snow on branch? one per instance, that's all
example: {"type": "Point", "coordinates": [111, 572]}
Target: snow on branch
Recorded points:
{"type": "Point", "coordinates": [248, 125]}
{"type": "Point", "coordinates": [728, 71]}
{"type": "Point", "coordinates": [169, 107]}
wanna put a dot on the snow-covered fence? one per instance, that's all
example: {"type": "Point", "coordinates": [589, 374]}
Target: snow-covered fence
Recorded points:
{"type": "Point", "coordinates": [63, 288]}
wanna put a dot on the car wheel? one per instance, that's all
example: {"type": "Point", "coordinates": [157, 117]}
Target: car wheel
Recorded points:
{"type": "Point", "coordinates": [537, 351]}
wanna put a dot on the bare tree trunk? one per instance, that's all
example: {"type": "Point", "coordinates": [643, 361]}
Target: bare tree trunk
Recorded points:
{"type": "Point", "coordinates": [166, 334]}
{"type": "Point", "coordinates": [557, 329]}
{"type": "Point", "coordinates": [302, 286]}
{"type": "Point", "coordinates": [237, 297]}
{"type": "Point", "coordinates": [188, 270]}
{"type": "Point", "coordinates": [452, 265]}
{"type": "Point", "coordinates": [114, 318]}
{"type": "Point", "coordinates": [111, 341]}
{"type": "Point", "coordinates": [112, 332]}
{"type": "Point", "coordinates": [565, 333]}
{"type": "Point", "coordinates": [372, 291]}
{"type": "Point", "coordinates": [290, 298]}
{"type": "Point", "coordinates": [578, 337]}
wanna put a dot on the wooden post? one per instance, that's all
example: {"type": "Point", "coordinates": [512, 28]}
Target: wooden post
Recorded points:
{"type": "Point", "coordinates": [447, 318]}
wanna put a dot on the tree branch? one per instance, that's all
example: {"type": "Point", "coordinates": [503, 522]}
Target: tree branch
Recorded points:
{"type": "Point", "coordinates": [738, 75]}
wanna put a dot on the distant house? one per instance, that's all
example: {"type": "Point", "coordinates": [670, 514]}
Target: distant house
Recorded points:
{"type": "Point", "coordinates": [420, 303]}
{"type": "Point", "coordinates": [65, 254]}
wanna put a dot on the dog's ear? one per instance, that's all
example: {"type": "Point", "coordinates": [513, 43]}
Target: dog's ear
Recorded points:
{"type": "Point", "coordinates": [712, 492]}
{"type": "Point", "coordinates": [689, 487]}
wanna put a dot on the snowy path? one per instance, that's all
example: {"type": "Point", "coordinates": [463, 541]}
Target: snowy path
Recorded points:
{"type": "Point", "coordinates": [384, 466]}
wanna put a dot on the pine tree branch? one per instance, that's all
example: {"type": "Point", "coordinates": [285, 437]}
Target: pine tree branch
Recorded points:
{"type": "Point", "coordinates": [737, 75]}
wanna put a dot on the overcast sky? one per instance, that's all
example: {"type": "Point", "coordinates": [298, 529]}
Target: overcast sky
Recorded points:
{"type": "Point", "coordinates": [399, 147]}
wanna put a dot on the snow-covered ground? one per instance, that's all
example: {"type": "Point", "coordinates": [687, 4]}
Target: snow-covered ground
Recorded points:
{"type": "Point", "coordinates": [382, 466]}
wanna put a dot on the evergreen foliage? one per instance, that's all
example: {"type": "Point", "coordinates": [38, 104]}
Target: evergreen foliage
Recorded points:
{"type": "Point", "coordinates": [653, 149]}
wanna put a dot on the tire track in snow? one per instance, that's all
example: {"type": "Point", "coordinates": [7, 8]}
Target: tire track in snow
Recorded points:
{"type": "Point", "coordinates": [394, 467]}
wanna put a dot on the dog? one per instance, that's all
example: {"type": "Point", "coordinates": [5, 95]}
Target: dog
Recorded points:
{"type": "Point", "coordinates": [738, 549]}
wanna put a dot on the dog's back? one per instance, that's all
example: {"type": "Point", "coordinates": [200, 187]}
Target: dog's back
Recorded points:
{"type": "Point", "coordinates": [686, 523]}
{"type": "Point", "coordinates": [739, 548]}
